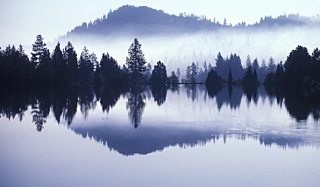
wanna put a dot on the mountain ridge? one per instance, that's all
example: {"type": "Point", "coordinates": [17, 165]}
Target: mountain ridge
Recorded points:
{"type": "Point", "coordinates": [143, 20]}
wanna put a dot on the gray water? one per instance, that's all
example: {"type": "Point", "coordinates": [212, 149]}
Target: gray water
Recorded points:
{"type": "Point", "coordinates": [175, 137]}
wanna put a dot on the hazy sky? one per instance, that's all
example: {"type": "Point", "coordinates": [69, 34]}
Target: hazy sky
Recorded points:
{"type": "Point", "coordinates": [22, 20]}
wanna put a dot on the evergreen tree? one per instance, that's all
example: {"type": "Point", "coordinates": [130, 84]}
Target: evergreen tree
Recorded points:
{"type": "Point", "coordinates": [70, 56]}
{"type": "Point", "coordinates": [159, 74]}
{"type": "Point", "coordinates": [173, 78]}
{"type": "Point", "coordinates": [210, 67]}
{"type": "Point", "coordinates": [188, 74]}
{"type": "Point", "coordinates": [45, 71]}
{"type": "Point", "coordinates": [85, 66]}
{"type": "Point", "coordinates": [296, 66]}
{"type": "Point", "coordinates": [234, 63]}
{"type": "Point", "coordinates": [136, 62]}
{"type": "Point", "coordinates": [213, 78]}
{"type": "Point", "coordinates": [272, 65]}
{"type": "Point", "coordinates": [263, 71]}
{"type": "Point", "coordinates": [221, 67]}
{"type": "Point", "coordinates": [110, 69]}
{"type": "Point", "coordinates": [98, 77]}
{"type": "Point", "coordinates": [255, 64]}
{"type": "Point", "coordinates": [38, 48]}
{"type": "Point", "coordinates": [194, 72]}
{"type": "Point", "coordinates": [314, 69]}
{"type": "Point", "coordinates": [250, 79]}
{"type": "Point", "coordinates": [279, 76]}
{"type": "Point", "coordinates": [59, 65]}
{"type": "Point", "coordinates": [248, 62]}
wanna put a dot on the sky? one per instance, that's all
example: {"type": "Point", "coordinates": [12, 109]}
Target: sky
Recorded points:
{"type": "Point", "coordinates": [22, 20]}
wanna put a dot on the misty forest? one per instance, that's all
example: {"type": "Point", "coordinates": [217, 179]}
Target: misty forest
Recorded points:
{"type": "Point", "coordinates": [60, 67]}
{"type": "Point", "coordinates": [140, 97]}
{"type": "Point", "coordinates": [63, 66]}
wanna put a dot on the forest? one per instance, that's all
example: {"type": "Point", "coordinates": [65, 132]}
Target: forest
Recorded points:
{"type": "Point", "coordinates": [65, 67]}
{"type": "Point", "coordinates": [48, 78]}
{"type": "Point", "coordinates": [144, 20]}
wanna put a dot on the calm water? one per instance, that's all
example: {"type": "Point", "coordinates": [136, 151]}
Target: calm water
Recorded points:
{"type": "Point", "coordinates": [185, 136]}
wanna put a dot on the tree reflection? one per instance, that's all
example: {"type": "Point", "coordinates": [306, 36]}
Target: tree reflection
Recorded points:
{"type": "Point", "coordinates": [108, 95]}
{"type": "Point", "coordinates": [71, 105]}
{"type": "Point", "coordinates": [230, 96]}
{"type": "Point", "coordinates": [63, 102]}
{"type": "Point", "coordinates": [86, 99]}
{"type": "Point", "coordinates": [251, 93]}
{"type": "Point", "coordinates": [159, 93]}
{"type": "Point", "coordinates": [213, 90]}
{"type": "Point", "coordinates": [136, 104]}
{"type": "Point", "coordinates": [191, 90]}
{"type": "Point", "coordinates": [39, 119]}
{"type": "Point", "coordinates": [299, 103]}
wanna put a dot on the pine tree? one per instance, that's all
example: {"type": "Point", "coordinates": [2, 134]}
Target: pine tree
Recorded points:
{"type": "Point", "coordinates": [60, 65]}
{"type": "Point", "coordinates": [85, 66]}
{"type": "Point", "coordinates": [248, 62]}
{"type": "Point", "coordinates": [272, 65]}
{"type": "Point", "coordinates": [136, 62]}
{"type": "Point", "coordinates": [38, 48]}
{"type": "Point", "coordinates": [110, 69]}
{"type": "Point", "coordinates": [70, 56]}
{"type": "Point", "coordinates": [159, 74]}
{"type": "Point", "coordinates": [194, 72]}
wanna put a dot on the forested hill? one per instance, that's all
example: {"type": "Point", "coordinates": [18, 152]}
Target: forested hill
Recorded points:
{"type": "Point", "coordinates": [147, 21]}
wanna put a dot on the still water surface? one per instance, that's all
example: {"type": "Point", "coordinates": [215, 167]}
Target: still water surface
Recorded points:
{"type": "Point", "coordinates": [186, 136]}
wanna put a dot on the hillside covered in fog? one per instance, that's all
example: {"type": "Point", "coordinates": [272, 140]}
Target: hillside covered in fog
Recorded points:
{"type": "Point", "coordinates": [179, 40]}
{"type": "Point", "coordinates": [144, 21]}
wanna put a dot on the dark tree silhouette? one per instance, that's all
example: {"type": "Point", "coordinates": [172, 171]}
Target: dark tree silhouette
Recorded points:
{"type": "Point", "coordinates": [136, 62]}
{"type": "Point", "coordinates": [272, 65]}
{"type": "Point", "coordinates": [110, 70]}
{"type": "Point", "coordinates": [38, 48]}
{"type": "Point", "coordinates": [173, 78]}
{"type": "Point", "coordinates": [233, 62]}
{"type": "Point", "coordinates": [250, 79]}
{"type": "Point", "coordinates": [45, 71]}
{"type": "Point", "coordinates": [159, 74]}
{"type": "Point", "coordinates": [59, 65]}
{"type": "Point", "coordinates": [213, 78]}
{"type": "Point", "coordinates": [194, 72]}
{"type": "Point", "coordinates": [70, 56]}
{"type": "Point", "coordinates": [85, 66]}
{"type": "Point", "coordinates": [296, 66]}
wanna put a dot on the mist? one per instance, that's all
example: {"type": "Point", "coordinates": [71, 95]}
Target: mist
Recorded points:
{"type": "Point", "coordinates": [179, 51]}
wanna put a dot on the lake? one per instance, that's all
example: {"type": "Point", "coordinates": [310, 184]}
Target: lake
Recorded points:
{"type": "Point", "coordinates": [188, 135]}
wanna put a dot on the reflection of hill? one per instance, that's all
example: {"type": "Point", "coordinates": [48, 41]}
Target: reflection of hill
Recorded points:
{"type": "Point", "coordinates": [147, 140]}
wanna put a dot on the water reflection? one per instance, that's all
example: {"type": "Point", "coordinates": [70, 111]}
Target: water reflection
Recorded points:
{"type": "Point", "coordinates": [136, 104]}
{"type": "Point", "coordinates": [144, 138]}
{"type": "Point", "coordinates": [230, 97]}
{"type": "Point", "coordinates": [159, 93]}
{"type": "Point", "coordinates": [152, 139]}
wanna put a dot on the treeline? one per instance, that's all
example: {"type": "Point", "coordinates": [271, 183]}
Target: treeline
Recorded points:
{"type": "Point", "coordinates": [64, 67]}
{"type": "Point", "coordinates": [300, 70]}
{"type": "Point", "coordinates": [147, 21]}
